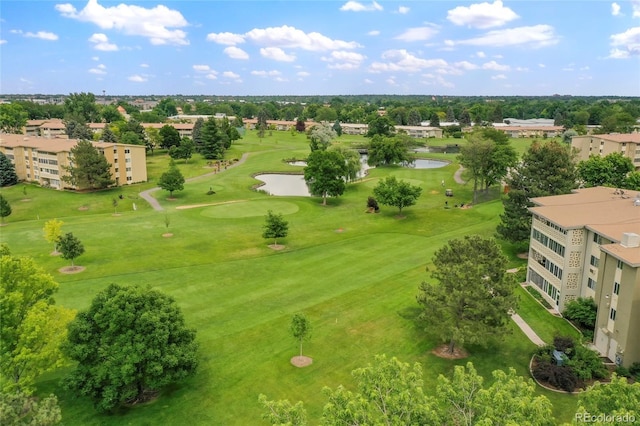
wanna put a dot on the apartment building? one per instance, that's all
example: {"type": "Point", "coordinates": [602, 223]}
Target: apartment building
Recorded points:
{"type": "Point", "coordinates": [42, 160]}
{"type": "Point", "coordinates": [587, 244]}
{"type": "Point", "coordinates": [627, 144]}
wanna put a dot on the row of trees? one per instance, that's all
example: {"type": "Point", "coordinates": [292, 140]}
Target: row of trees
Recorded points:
{"type": "Point", "coordinates": [572, 112]}
{"type": "Point", "coordinates": [391, 392]}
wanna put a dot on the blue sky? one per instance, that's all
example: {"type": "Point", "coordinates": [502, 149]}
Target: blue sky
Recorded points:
{"type": "Point", "coordinates": [327, 47]}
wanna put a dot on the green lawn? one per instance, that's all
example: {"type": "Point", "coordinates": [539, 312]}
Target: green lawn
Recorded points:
{"type": "Point", "coordinates": [356, 286]}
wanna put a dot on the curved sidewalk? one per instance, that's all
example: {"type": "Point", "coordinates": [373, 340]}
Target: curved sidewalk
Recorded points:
{"type": "Point", "coordinates": [146, 195]}
{"type": "Point", "coordinates": [528, 331]}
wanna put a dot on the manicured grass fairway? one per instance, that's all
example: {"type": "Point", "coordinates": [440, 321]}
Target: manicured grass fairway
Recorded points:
{"type": "Point", "coordinates": [356, 285]}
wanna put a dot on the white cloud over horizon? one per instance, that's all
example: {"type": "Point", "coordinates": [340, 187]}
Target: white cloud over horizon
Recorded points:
{"type": "Point", "coordinates": [482, 15]}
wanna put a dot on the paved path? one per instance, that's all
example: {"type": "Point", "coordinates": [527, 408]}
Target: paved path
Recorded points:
{"type": "Point", "coordinates": [146, 195]}
{"type": "Point", "coordinates": [457, 176]}
{"type": "Point", "coordinates": [527, 330]}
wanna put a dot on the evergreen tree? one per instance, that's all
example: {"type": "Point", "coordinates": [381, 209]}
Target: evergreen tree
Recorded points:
{"type": "Point", "coordinates": [197, 133]}
{"type": "Point", "coordinates": [8, 174]}
{"type": "Point", "coordinates": [172, 180]}
{"type": "Point", "coordinates": [261, 125]}
{"type": "Point", "coordinates": [414, 118]}
{"type": "Point", "coordinates": [89, 169]}
{"type": "Point", "coordinates": [465, 118]}
{"type": "Point", "coordinates": [434, 121]}
{"type": "Point", "coordinates": [213, 140]}
{"type": "Point", "coordinates": [108, 135]}
{"type": "Point", "coordinates": [450, 118]}
{"type": "Point", "coordinates": [5, 208]}
{"type": "Point", "coordinates": [545, 169]}
{"type": "Point", "coordinates": [170, 136]}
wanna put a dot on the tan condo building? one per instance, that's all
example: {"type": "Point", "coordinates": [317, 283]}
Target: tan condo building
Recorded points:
{"type": "Point", "coordinates": [627, 144]}
{"type": "Point", "coordinates": [587, 244]}
{"type": "Point", "coordinates": [42, 160]}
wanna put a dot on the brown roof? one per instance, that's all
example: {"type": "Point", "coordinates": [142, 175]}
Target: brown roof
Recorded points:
{"type": "Point", "coordinates": [46, 144]}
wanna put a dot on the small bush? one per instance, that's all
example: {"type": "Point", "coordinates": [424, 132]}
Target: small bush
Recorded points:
{"type": "Point", "coordinates": [564, 344]}
{"type": "Point", "coordinates": [560, 377]}
{"type": "Point", "coordinates": [623, 372]}
{"type": "Point", "coordinates": [538, 297]}
{"type": "Point", "coordinates": [634, 370]}
{"type": "Point", "coordinates": [582, 312]}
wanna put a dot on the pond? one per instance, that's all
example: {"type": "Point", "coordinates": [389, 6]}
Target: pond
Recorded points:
{"type": "Point", "coordinates": [422, 163]}
{"type": "Point", "coordinates": [282, 184]}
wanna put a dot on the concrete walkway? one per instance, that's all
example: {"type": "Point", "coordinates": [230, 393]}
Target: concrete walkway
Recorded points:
{"type": "Point", "coordinates": [528, 331]}
{"type": "Point", "coordinates": [146, 195]}
{"type": "Point", "coordinates": [457, 176]}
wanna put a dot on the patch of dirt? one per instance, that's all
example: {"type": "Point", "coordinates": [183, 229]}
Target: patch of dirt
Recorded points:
{"type": "Point", "coordinates": [26, 199]}
{"type": "Point", "coordinates": [301, 361]}
{"type": "Point", "coordinates": [340, 230]}
{"type": "Point", "coordinates": [167, 235]}
{"type": "Point", "coordinates": [171, 198]}
{"type": "Point", "coordinates": [3, 224]}
{"type": "Point", "coordinates": [442, 351]}
{"type": "Point", "coordinates": [71, 269]}
{"type": "Point", "coordinates": [83, 208]}
{"type": "Point", "coordinates": [193, 206]}
{"type": "Point", "coordinates": [433, 192]}
{"type": "Point", "coordinates": [117, 214]}
{"type": "Point", "coordinates": [276, 246]}
{"type": "Point", "coordinates": [523, 255]}
{"type": "Point", "coordinates": [55, 253]}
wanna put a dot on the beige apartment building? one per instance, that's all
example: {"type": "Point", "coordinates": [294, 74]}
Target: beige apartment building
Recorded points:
{"type": "Point", "coordinates": [42, 160]}
{"type": "Point", "coordinates": [587, 244]}
{"type": "Point", "coordinates": [627, 144]}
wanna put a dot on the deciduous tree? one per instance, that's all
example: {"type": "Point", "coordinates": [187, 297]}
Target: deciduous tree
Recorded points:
{"type": "Point", "coordinates": [32, 326]}
{"type": "Point", "coordinates": [70, 247]}
{"type": "Point", "coordinates": [130, 343]}
{"type": "Point", "coordinates": [22, 409]}
{"type": "Point", "coordinates": [472, 296]}
{"type": "Point", "coordinates": [611, 170]}
{"type": "Point", "coordinates": [617, 398]}
{"type": "Point", "coordinates": [282, 412]}
{"type": "Point", "coordinates": [397, 193]}
{"type": "Point", "coordinates": [300, 329]}
{"type": "Point", "coordinates": [172, 180]}
{"type": "Point", "coordinates": [52, 232]}
{"type": "Point", "coordinates": [13, 118]}
{"type": "Point", "coordinates": [88, 169]}
{"type": "Point", "coordinates": [382, 126]}
{"type": "Point", "coordinates": [384, 151]}
{"type": "Point", "coordinates": [321, 136]}
{"type": "Point", "coordinates": [325, 173]}
{"type": "Point", "coordinates": [170, 136]}
{"type": "Point", "coordinates": [275, 227]}
{"type": "Point", "coordinates": [8, 174]}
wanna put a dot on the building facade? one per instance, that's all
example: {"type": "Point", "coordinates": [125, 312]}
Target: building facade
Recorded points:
{"type": "Point", "coordinates": [587, 244]}
{"type": "Point", "coordinates": [43, 160]}
{"type": "Point", "coordinates": [627, 144]}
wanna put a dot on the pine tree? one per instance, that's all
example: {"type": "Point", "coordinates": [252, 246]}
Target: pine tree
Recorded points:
{"type": "Point", "coordinates": [8, 174]}
{"type": "Point", "coordinates": [172, 180]}
{"type": "Point", "coordinates": [88, 169]}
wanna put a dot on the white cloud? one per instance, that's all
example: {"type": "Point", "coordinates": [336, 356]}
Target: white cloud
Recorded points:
{"type": "Point", "coordinates": [344, 60]}
{"type": "Point", "coordinates": [272, 73]}
{"type": "Point", "coordinates": [535, 36]}
{"type": "Point", "coordinates": [403, 10]}
{"type": "Point", "coordinates": [212, 75]}
{"type": "Point", "coordinates": [481, 54]}
{"type": "Point", "coordinates": [101, 42]}
{"type": "Point", "coordinates": [585, 68]}
{"type": "Point", "coordinates": [354, 6]}
{"type": "Point", "coordinates": [366, 80]}
{"type": "Point", "coordinates": [291, 37]}
{"type": "Point", "coordinates": [494, 66]}
{"type": "Point", "coordinates": [100, 70]}
{"type": "Point", "coordinates": [391, 81]}
{"type": "Point", "coordinates": [401, 60]}
{"type": "Point", "coordinates": [231, 75]}
{"type": "Point", "coordinates": [43, 35]}
{"type": "Point", "coordinates": [235, 53]}
{"type": "Point", "coordinates": [3, 41]}
{"type": "Point", "coordinates": [226, 38]}
{"type": "Point", "coordinates": [95, 58]}
{"type": "Point", "coordinates": [482, 15]}
{"type": "Point", "coordinates": [542, 65]}
{"type": "Point", "coordinates": [499, 77]}
{"type": "Point", "coordinates": [373, 33]}
{"type": "Point", "coordinates": [276, 54]}
{"type": "Point", "coordinates": [144, 65]}
{"type": "Point", "coordinates": [635, 5]}
{"type": "Point", "coordinates": [137, 78]}
{"type": "Point", "coordinates": [154, 23]}
{"type": "Point", "coordinates": [417, 34]}
{"type": "Point", "coordinates": [615, 9]}
{"type": "Point", "coordinates": [625, 44]}
{"type": "Point", "coordinates": [436, 80]}
{"type": "Point", "coordinates": [303, 74]}
{"type": "Point", "coordinates": [466, 65]}
{"type": "Point", "coordinates": [202, 68]}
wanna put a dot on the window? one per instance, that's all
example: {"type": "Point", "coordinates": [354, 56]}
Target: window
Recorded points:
{"type": "Point", "coordinates": [128, 160]}
{"type": "Point", "coordinates": [116, 170]}
{"type": "Point", "coordinates": [115, 160]}
{"type": "Point", "coordinates": [619, 265]}
{"type": "Point", "coordinates": [129, 178]}
{"type": "Point", "coordinates": [127, 151]}
{"type": "Point", "coordinates": [612, 314]}
{"type": "Point", "coordinates": [594, 261]}
{"type": "Point", "coordinates": [128, 169]}
{"type": "Point", "coordinates": [591, 283]}
{"type": "Point", "coordinates": [616, 288]}
{"type": "Point", "coordinates": [597, 239]}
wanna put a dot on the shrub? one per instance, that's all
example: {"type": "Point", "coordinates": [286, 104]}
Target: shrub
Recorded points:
{"type": "Point", "coordinates": [582, 312]}
{"type": "Point", "coordinates": [538, 297]}
{"type": "Point", "coordinates": [587, 364]}
{"type": "Point", "coordinates": [634, 369]}
{"type": "Point", "coordinates": [561, 377]}
{"type": "Point", "coordinates": [564, 344]}
{"type": "Point", "coordinates": [622, 372]}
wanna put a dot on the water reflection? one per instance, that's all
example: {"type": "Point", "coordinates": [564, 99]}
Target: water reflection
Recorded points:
{"type": "Point", "coordinates": [281, 184]}
{"type": "Point", "coordinates": [422, 163]}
